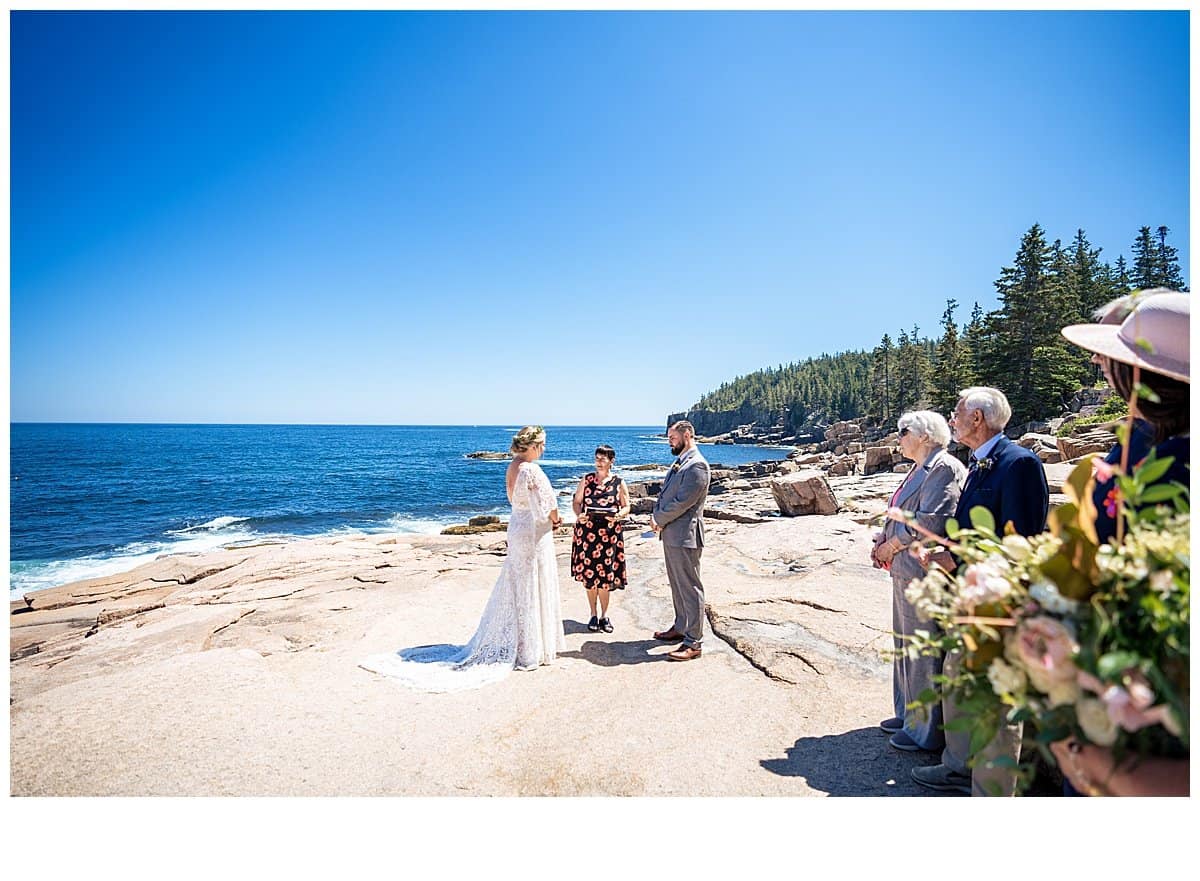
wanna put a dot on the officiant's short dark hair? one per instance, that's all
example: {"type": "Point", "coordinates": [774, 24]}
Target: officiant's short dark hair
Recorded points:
{"type": "Point", "coordinates": [607, 452]}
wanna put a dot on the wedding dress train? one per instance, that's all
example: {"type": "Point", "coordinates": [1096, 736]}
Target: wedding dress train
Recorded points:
{"type": "Point", "coordinates": [521, 625]}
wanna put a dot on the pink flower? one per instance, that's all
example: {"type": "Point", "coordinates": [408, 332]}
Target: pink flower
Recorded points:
{"type": "Point", "coordinates": [984, 582]}
{"type": "Point", "coordinates": [1045, 649]}
{"type": "Point", "coordinates": [1130, 707]}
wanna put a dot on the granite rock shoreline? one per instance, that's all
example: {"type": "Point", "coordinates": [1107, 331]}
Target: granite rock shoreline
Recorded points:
{"type": "Point", "coordinates": [233, 672]}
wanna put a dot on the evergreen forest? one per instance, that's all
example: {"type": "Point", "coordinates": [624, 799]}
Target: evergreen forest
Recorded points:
{"type": "Point", "coordinates": [1016, 348]}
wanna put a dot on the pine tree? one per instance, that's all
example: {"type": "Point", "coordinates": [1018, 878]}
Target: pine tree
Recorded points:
{"type": "Point", "coordinates": [949, 363]}
{"type": "Point", "coordinates": [1022, 288]}
{"type": "Point", "coordinates": [1169, 274]}
{"type": "Point", "coordinates": [1121, 277]}
{"type": "Point", "coordinates": [882, 377]}
{"type": "Point", "coordinates": [1145, 260]}
{"type": "Point", "coordinates": [1087, 281]}
{"type": "Point", "coordinates": [974, 346]}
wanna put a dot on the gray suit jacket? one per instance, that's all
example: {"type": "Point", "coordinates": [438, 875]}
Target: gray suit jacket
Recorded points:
{"type": "Point", "coordinates": [932, 494]}
{"type": "Point", "coordinates": [680, 506]}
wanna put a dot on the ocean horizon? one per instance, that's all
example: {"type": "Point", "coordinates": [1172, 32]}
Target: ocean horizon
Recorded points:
{"type": "Point", "coordinates": [89, 499]}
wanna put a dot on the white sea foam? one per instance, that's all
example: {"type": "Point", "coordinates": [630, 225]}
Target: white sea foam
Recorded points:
{"type": "Point", "coordinates": [30, 577]}
{"type": "Point", "coordinates": [212, 525]}
{"type": "Point", "coordinates": [399, 523]}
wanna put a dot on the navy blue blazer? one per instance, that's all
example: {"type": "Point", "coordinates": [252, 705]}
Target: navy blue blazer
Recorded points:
{"type": "Point", "coordinates": [1013, 488]}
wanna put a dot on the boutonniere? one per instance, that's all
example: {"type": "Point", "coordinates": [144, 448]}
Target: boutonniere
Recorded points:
{"type": "Point", "coordinates": [986, 463]}
{"type": "Point", "coordinates": [675, 467]}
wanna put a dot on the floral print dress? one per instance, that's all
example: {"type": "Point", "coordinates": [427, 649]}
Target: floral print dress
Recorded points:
{"type": "Point", "coordinates": [598, 546]}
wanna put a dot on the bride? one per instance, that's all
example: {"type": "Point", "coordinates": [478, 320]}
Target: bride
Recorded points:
{"type": "Point", "coordinates": [521, 625]}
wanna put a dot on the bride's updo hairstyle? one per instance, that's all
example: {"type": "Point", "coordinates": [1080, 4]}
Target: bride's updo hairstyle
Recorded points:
{"type": "Point", "coordinates": [527, 437]}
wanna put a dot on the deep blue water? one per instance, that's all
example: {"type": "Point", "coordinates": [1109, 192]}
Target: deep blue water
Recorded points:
{"type": "Point", "coordinates": [90, 499]}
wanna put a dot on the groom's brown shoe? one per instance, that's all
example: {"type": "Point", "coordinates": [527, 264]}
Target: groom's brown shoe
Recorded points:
{"type": "Point", "coordinates": [685, 653]}
{"type": "Point", "coordinates": [668, 635]}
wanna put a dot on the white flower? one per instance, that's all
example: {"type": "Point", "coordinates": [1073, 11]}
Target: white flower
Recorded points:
{"type": "Point", "coordinates": [1018, 546]}
{"type": "Point", "coordinates": [1005, 679]}
{"type": "Point", "coordinates": [1093, 718]}
{"type": "Point", "coordinates": [1162, 581]}
{"type": "Point", "coordinates": [1047, 596]}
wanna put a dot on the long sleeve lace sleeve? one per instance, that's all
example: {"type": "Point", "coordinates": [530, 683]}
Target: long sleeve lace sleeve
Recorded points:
{"type": "Point", "coordinates": [541, 493]}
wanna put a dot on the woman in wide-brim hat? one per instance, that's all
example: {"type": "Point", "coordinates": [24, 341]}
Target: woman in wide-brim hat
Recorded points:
{"type": "Point", "coordinates": [1153, 338]}
{"type": "Point", "coordinates": [1150, 346]}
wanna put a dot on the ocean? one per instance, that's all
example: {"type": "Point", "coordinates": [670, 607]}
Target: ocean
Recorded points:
{"type": "Point", "coordinates": [90, 500]}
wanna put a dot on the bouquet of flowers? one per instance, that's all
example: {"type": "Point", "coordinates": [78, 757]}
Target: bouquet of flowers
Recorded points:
{"type": "Point", "coordinates": [1068, 635]}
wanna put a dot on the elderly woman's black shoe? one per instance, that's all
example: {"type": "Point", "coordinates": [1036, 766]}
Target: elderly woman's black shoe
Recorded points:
{"type": "Point", "coordinates": [593, 625]}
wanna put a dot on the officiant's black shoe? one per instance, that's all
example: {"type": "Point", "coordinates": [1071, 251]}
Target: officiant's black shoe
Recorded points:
{"type": "Point", "coordinates": [593, 625]}
{"type": "Point", "coordinates": [606, 625]}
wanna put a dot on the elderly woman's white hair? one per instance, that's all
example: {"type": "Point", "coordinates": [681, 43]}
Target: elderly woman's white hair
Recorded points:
{"type": "Point", "coordinates": [926, 424]}
{"type": "Point", "coordinates": [990, 402]}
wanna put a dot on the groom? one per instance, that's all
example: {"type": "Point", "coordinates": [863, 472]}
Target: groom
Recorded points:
{"type": "Point", "coordinates": [678, 519]}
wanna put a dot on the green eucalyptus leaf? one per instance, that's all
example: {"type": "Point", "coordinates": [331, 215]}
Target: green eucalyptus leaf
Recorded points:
{"type": "Point", "coordinates": [981, 518]}
{"type": "Point", "coordinates": [1162, 492]}
{"type": "Point", "coordinates": [1114, 664]}
{"type": "Point", "coordinates": [1152, 469]}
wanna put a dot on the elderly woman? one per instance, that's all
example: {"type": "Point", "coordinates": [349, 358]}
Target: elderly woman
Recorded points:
{"type": "Point", "coordinates": [930, 492]}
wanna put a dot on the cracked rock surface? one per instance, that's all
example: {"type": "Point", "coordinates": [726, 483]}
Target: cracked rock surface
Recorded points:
{"type": "Point", "coordinates": [235, 672]}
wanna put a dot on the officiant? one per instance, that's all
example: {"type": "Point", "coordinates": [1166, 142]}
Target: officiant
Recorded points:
{"type": "Point", "coordinates": [601, 504]}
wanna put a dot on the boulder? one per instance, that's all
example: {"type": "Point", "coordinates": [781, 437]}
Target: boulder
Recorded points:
{"type": "Point", "coordinates": [1088, 442]}
{"type": "Point", "coordinates": [642, 506]}
{"type": "Point", "coordinates": [644, 488]}
{"type": "Point", "coordinates": [805, 492]}
{"type": "Point", "coordinates": [1044, 446]}
{"type": "Point", "coordinates": [473, 529]}
{"type": "Point", "coordinates": [787, 467]}
{"type": "Point", "coordinates": [877, 459]}
{"type": "Point", "coordinates": [842, 467]}
{"type": "Point", "coordinates": [489, 455]}
{"type": "Point", "coordinates": [483, 520]}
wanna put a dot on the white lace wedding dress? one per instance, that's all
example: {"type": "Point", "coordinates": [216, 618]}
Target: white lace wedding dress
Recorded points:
{"type": "Point", "coordinates": [521, 625]}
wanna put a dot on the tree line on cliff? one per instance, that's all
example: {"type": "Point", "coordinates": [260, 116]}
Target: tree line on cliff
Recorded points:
{"type": "Point", "coordinates": [1017, 347]}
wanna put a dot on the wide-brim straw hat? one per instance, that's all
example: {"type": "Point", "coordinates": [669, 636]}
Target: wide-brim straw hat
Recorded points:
{"type": "Point", "coordinates": [1154, 336]}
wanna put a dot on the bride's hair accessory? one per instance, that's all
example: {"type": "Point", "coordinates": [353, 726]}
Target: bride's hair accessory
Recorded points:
{"type": "Point", "coordinates": [527, 437]}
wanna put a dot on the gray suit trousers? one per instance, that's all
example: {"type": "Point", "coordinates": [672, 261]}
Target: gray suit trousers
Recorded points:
{"type": "Point", "coordinates": [687, 591]}
{"type": "Point", "coordinates": [911, 676]}
{"type": "Point", "coordinates": [985, 779]}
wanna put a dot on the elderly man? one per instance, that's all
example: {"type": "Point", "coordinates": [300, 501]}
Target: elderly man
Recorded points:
{"type": "Point", "coordinates": [1010, 482]}
{"type": "Point", "coordinates": [678, 519]}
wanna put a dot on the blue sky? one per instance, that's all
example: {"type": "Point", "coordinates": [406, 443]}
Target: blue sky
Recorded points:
{"type": "Point", "coordinates": [574, 218]}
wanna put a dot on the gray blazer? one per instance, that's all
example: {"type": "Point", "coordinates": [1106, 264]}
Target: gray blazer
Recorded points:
{"type": "Point", "coordinates": [680, 506]}
{"type": "Point", "coordinates": [932, 494]}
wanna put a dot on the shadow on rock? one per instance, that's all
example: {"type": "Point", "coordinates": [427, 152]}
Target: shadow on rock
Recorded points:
{"type": "Point", "coordinates": [570, 627]}
{"type": "Point", "coordinates": [858, 762]}
{"type": "Point", "coordinates": [616, 654]}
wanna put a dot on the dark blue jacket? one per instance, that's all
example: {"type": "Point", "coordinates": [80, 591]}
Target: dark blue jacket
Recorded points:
{"type": "Point", "coordinates": [1105, 493]}
{"type": "Point", "coordinates": [1012, 487]}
